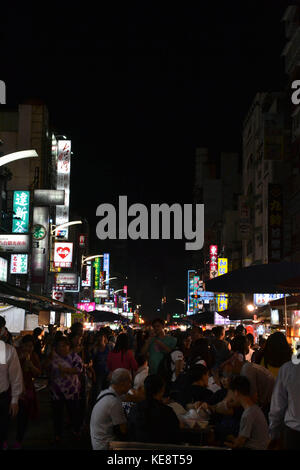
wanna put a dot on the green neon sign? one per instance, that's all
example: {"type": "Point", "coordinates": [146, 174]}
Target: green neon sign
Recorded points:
{"type": "Point", "coordinates": [21, 211]}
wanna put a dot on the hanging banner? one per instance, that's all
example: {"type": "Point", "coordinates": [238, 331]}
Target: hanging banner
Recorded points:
{"type": "Point", "coordinates": [21, 211]}
{"type": "Point", "coordinates": [88, 276]}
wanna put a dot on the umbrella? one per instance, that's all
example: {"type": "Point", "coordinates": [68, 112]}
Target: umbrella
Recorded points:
{"type": "Point", "coordinates": [264, 278]}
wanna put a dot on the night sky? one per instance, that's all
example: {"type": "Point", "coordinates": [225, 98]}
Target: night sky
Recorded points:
{"type": "Point", "coordinates": [137, 90]}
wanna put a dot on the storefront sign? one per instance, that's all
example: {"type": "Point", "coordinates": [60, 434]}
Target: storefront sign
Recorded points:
{"type": "Point", "coordinates": [82, 240]}
{"type": "Point", "coordinates": [102, 294]}
{"type": "Point", "coordinates": [3, 270]}
{"type": "Point", "coordinates": [87, 306]}
{"type": "Point", "coordinates": [260, 300]}
{"type": "Point", "coordinates": [66, 279]}
{"type": "Point", "coordinates": [18, 264]}
{"type": "Point", "coordinates": [14, 243]}
{"type": "Point", "coordinates": [222, 266]}
{"type": "Point", "coordinates": [63, 253]}
{"type": "Point", "coordinates": [97, 279]}
{"type": "Point", "coordinates": [63, 181]}
{"type": "Point", "coordinates": [48, 197]}
{"type": "Point", "coordinates": [106, 268]}
{"type": "Point", "coordinates": [40, 245]}
{"type": "Point", "coordinates": [88, 275]}
{"type": "Point", "coordinates": [58, 295]}
{"type": "Point", "coordinates": [21, 211]}
{"type": "Point", "coordinates": [275, 223]}
{"type": "Point", "coordinates": [213, 261]}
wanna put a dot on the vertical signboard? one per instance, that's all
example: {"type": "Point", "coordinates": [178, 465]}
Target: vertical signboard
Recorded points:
{"type": "Point", "coordinates": [244, 215]}
{"type": "Point", "coordinates": [21, 211]}
{"type": "Point", "coordinates": [213, 261]}
{"type": "Point", "coordinates": [222, 299]}
{"type": "Point", "coordinates": [106, 268]}
{"type": "Point", "coordinates": [3, 269]}
{"type": "Point", "coordinates": [40, 245]}
{"type": "Point", "coordinates": [19, 264]}
{"type": "Point", "coordinates": [63, 182]}
{"type": "Point", "coordinates": [275, 223]}
{"type": "Point", "coordinates": [97, 279]}
{"type": "Point", "coordinates": [88, 276]}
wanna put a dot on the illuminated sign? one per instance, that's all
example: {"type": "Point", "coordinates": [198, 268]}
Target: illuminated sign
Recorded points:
{"type": "Point", "coordinates": [222, 299]}
{"type": "Point", "coordinates": [222, 266]}
{"type": "Point", "coordinates": [103, 294]}
{"type": "Point", "coordinates": [48, 197]}
{"type": "Point", "coordinates": [66, 279]}
{"type": "Point", "coordinates": [63, 181]}
{"type": "Point", "coordinates": [87, 282]}
{"type": "Point", "coordinates": [63, 255]}
{"type": "Point", "coordinates": [18, 264]}
{"type": "Point", "coordinates": [21, 211]}
{"type": "Point", "coordinates": [260, 300]}
{"type": "Point", "coordinates": [58, 295]}
{"type": "Point", "coordinates": [97, 266]}
{"type": "Point", "coordinates": [222, 302]}
{"type": "Point", "coordinates": [106, 267]}
{"type": "Point", "coordinates": [87, 306]}
{"type": "Point", "coordinates": [274, 317]}
{"type": "Point", "coordinates": [14, 243]}
{"type": "Point", "coordinates": [3, 270]}
{"type": "Point", "coordinates": [213, 261]}
{"type": "Point", "coordinates": [82, 240]}
{"type": "Point", "coordinates": [40, 245]}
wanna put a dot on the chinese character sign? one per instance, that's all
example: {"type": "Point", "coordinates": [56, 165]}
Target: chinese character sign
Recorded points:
{"type": "Point", "coordinates": [97, 266]}
{"type": "Point", "coordinates": [87, 282]}
{"type": "Point", "coordinates": [275, 223]}
{"type": "Point", "coordinates": [222, 302]}
{"type": "Point", "coordinates": [21, 211]}
{"type": "Point", "coordinates": [3, 270]}
{"type": "Point", "coordinates": [213, 261]}
{"type": "Point", "coordinates": [222, 266]}
{"type": "Point", "coordinates": [18, 264]}
{"type": "Point", "coordinates": [106, 267]}
{"type": "Point", "coordinates": [63, 181]}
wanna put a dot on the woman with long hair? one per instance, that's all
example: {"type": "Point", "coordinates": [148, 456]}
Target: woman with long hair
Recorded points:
{"type": "Point", "coordinates": [277, 352]}
{"type": "Point", "coordinates": [121, 357]}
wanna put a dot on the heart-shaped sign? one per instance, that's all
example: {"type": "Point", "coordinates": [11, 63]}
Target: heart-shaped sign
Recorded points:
{"type": "Point", "coordinates": [58, 295]}
{"type": "Point", "coordinates": [63, 252]}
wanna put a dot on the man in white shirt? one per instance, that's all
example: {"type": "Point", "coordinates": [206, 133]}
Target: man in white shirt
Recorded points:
{"type": "Point", "coordinates": [108, 420]}
{"type": "Point", "coordinates": [11, 384]}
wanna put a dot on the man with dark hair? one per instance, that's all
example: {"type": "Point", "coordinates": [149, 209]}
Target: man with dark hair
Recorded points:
{"type": "Point", "coordinates": [11, 385]}
{"type": "Point", "coordinates": [253, 432]}
{"type": "Point", "coordinates": [158, 344]}
{"type": "Point", "coordinates": [240, 330]}
{"type": "Point", "coordinates": [221, 349]}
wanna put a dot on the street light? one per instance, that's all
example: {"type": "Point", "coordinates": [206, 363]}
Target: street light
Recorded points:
{"type": "Point", "coordinates": [11, 157]}
{"type": "Point", "coordinates": [250, 307]}
{"type": "Point", "coordinates": [183, 301]}
{"type": "Point", "coordinates": [67, 224]}
{"type": "Point", "coordinates": [109, 279]}
{"type": "Point", "coordinates": [88, 258]}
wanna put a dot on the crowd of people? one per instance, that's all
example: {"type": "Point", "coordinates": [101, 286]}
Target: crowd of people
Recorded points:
{"type": "Point", "coordinates": [140, 385]}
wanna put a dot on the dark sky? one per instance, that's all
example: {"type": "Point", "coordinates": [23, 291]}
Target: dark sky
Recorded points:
{"type": "Point", "coordinates": [137, 88]}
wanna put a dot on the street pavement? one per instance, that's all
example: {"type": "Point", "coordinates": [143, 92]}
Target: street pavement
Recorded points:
{"type": "Point", "coordinates": [39, 435]}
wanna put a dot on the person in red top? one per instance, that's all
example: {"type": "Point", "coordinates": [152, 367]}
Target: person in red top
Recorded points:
{"type": "Point", "coordinates": [121, 357]}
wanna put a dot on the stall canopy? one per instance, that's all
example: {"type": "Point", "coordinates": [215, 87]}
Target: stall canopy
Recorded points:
{"type": "Point", "coordinates": [260, 278]}
{"type": "Point", "coordinates": [29, 301]}
{"type": "Point", "coordinates": [99, 316]}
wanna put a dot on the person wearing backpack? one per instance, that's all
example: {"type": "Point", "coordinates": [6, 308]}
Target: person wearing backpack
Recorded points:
{"type": "Point", "coordinates": [108, 420]}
